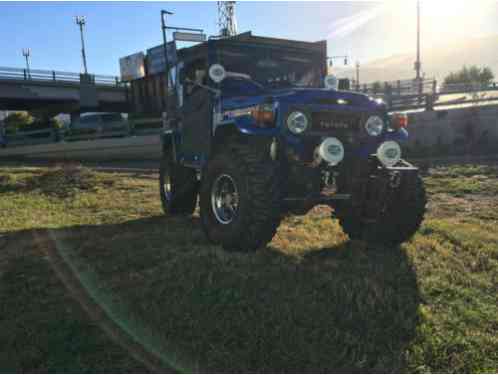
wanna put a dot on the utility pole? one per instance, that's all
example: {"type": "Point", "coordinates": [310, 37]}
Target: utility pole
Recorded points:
{"type": "Point", "coordinates": [418, 64]}
{"type": "Point", "coordinates": [80, 21]}
{"type": "Point", "coordinates": [26, 52]}
{"type": "Point", "coordinates": [357, 76]}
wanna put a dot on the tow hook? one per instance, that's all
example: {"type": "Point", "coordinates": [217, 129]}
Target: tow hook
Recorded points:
{"type": "Point", "coordinates": [394, 180]}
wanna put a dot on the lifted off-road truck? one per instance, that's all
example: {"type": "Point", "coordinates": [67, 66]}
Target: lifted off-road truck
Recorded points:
{"type": "Point", "coordinates": [260, 131]}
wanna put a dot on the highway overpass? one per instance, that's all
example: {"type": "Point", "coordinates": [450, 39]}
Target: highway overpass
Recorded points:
{"type": "Point", "coordinates": [54, 92]}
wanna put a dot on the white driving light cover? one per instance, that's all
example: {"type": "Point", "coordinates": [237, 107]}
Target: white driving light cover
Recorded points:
{"type": "Point", "coordinates": [217, 73]}
{"type": "Point", "coordinates": [331, 150]}
{"type": "Point", "coordinates": [389, 153]}
{"type": "Point", "coordinates": [297, 122]}
{"type": "Point", "coordinates": [331, 82]}
{"type": "Point", "coordinates": [374, 126]}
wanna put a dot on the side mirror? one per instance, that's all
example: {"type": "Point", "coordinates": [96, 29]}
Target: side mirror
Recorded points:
{"type": "Point", "coordinates": [217, 73]}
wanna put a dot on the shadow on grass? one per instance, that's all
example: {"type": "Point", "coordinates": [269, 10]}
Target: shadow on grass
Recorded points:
{"type": "Point", "coordinates": [346, 308]}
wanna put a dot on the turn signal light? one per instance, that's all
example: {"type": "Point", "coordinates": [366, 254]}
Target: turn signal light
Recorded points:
{"type": "Point", "coordinates": [399, 120]}
{"type": "Point", "coordinates": [264, 114]}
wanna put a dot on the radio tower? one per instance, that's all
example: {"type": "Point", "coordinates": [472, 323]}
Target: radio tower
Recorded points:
{"type": "Point", "coordinates": [226, 18]}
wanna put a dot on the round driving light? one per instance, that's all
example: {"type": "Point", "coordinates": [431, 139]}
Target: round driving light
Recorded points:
{"type": "Point", "coordinates": [374, 126]}
{"type": "Point", "coordinates": [331, 150]}
{"type": "Point", "coordinates": [297, 122]}
{"type": "Point", "coordinates": [389, 153]}
{"type": "Point", "coordinates": [330, 82]}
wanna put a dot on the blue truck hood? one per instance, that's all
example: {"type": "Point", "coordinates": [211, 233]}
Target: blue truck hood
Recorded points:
{"type": "Point", "coordinates": [305, 96]}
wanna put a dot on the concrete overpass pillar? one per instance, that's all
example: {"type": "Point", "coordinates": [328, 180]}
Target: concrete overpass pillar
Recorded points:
{"type": "Point", "coordinates": [74, 117]}
{"type": "Point", "coordinates": [88, 92]}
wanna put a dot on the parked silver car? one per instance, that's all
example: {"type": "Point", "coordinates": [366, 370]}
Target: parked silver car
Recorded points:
{"type": "Point", "coordinates": [98, 125]}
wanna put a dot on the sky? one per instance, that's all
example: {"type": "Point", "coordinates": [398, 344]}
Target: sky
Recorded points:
{"type": "Point", "coordinates": [362, 30]}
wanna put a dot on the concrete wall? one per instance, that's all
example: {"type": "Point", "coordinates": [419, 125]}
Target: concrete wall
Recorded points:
{"type": "Point", "coordinates": [470, 126]}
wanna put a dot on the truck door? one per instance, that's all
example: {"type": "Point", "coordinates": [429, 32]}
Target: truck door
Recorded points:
{"type": "Point", "coordinates": [196, 116]}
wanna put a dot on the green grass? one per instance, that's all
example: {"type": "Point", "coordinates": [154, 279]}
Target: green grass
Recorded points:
{"type": "Point", "coordinates": [311, 301]}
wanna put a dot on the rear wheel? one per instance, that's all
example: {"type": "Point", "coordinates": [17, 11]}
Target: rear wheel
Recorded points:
{"type": "Point", "coordinates": [398, 220]}
{"type": "Point", "coordinates": [240, 199]}
{"type": "Point", "coordinates": [178, 187]}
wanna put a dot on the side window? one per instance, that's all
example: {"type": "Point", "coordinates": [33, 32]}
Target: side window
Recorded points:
{"type": "Point", "coordinates": [111, 117]}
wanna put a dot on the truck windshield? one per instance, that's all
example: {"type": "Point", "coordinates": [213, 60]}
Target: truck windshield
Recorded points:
{"type": "Point", "coordinates": [272, 67]}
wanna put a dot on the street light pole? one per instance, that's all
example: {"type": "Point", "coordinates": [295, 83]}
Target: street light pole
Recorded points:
{"type": "Point", "coordinates": [357, 76]}
{"type": "Point", "coordinates": [80, 21]}
{"type": "Point", "coordinates": [418, 64]}
{"type": "Point", "coordinates": [165, 13]}
{"type": "Point", "coordinates": [26, 52]}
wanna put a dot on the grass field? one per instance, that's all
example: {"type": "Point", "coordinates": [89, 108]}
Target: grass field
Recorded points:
{"type": "Point", "coordinates": [311, 302]}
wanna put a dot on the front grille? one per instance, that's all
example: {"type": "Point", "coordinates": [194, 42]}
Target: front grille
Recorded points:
{"type": "Point", "coordinates": [335, 123]}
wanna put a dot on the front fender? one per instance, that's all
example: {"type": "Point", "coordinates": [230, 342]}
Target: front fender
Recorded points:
{"type": "Point", "coordinates": [247, 125]}
{"type": "Point", "coordinates": [400, 135]}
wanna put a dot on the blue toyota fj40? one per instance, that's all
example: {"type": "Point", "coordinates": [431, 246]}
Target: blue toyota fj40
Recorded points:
{"type": "Point", "coordinates": [259, 130]}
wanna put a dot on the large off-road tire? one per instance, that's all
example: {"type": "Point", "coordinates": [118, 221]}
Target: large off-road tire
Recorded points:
{"type": "Point", "coordinates": [398, 221]}
{"type": "Point", "coordinates": [178, 187]}
{"type": "Point", "coordinates": [240, 198]}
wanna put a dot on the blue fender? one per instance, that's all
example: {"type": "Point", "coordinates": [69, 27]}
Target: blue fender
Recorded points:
{"type": "Point", "coordinates": [247, 125]}
{"type": "Point", "coordinates": [400, 135]}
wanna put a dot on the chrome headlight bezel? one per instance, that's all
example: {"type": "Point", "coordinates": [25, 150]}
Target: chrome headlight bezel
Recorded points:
{"type": "Point", "coordinates": [297, 122]}
{"type": "Point", "coordinates": [374, 126]}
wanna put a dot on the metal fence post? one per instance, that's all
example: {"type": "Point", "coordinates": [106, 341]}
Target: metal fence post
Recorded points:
{"type": "Point", "coordinates": [429, 102]}
{"type": "Point", "coordinates": [25, 74]}
{"type": "Point", "coordinates": [53, 75]}
{"type": "Point", "coordinates": [389, 94]}
{"type": "Point", "coordinates": [420, 90]}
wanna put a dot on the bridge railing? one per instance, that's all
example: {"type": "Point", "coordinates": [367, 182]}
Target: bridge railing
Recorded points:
{"type": "Point", "coordinates": [55, 76]}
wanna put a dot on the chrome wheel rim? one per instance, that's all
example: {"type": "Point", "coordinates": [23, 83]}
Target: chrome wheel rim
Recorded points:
{"type": "Point", "coordinates": [224, 199]}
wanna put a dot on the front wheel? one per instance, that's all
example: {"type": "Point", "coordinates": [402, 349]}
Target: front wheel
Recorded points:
{"type": "Point", "coordinates": [396, 221]}
{"type": "Point", "coordinates": [178, 187]}
{"type": "Point", "coordinates": [239, 199]}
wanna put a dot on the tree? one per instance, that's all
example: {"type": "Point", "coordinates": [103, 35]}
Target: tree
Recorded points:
{"type": "Point", "coordinates": [469, 76]}
{"type": "Point", "coordinates": [25, 121]}
{"type": "Point", "coordinates": [14, 121]}
{"type": "Point", "coordinates": [376, 87]}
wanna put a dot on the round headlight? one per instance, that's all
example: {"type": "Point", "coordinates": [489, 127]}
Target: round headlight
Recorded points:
{"type": "Point", "coordinates": [374, 126]}
{"type": "Point", "coordinates": [297, 122]}
{"type": "Point", "coordinates": [389, 153]}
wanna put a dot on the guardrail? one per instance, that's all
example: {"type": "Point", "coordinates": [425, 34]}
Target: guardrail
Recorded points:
{"type": "Point", "coordinates": [51, 135]}
{"type": "Point", "coordinates": [426, 94]}
{"type": "Point", "coordinates": [7, 73]}
{"type": "Point", "coordinates": [33, 137]}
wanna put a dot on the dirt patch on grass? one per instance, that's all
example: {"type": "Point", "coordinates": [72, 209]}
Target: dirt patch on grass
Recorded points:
{"type": "Point", "coordinates": [63, 181]}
